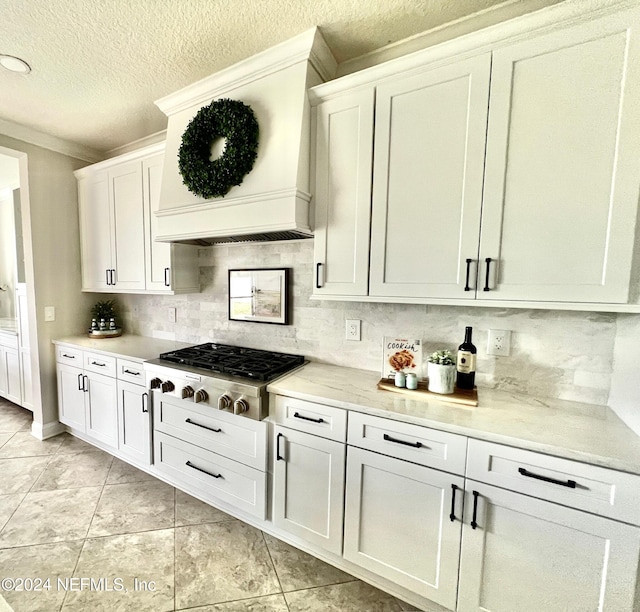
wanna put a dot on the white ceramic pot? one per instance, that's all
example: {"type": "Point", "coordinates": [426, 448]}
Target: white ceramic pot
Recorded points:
{"type": "Point", "coordinates": [442, 378]}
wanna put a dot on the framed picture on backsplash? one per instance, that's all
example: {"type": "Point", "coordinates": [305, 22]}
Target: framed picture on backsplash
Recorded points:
{"type": "Point", "coordinates": [259, 295]}
{"type": "Point", "coordinates": [401, 355]}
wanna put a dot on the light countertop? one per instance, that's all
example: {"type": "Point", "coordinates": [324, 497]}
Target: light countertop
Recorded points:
{"type": "Point", "coordinates": [9, 325]}
{"type": "Point", "coordinates": [127, 346]}
{"type": "Point", "coordinates": [583, 432]}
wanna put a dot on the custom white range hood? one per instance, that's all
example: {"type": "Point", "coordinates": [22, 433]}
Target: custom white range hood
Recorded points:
{"type": "Point", "coordinates": [272, 203]}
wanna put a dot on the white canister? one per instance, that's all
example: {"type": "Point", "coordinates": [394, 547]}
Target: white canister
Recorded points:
{"type": "Point", "coordinates": [412, 381]}
{"type": "Point", "coordinates": [399, 380]}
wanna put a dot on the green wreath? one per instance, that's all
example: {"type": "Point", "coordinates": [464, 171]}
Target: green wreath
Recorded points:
{"type": "Point", "coordinates": [224, 118]}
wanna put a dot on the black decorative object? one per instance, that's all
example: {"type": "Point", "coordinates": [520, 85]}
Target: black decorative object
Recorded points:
{"type": "Point", "coordinates": [229, 119]}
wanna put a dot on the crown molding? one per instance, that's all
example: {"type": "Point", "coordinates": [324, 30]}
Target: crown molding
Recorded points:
{"type": "Point", "coordinates": [47, 141]}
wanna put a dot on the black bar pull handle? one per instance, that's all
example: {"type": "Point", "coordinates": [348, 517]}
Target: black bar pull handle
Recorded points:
{"type": "Point", "coordinates": [195, 467]}
{"type": "Point", "coordinates": [203, 426]}
{"type": "Point", "coordinates": [126, 371]}
{"type": "Point", "coordinates": [108, 277]}
{"type": "Point", "coordinates": [452, 516]}
{"type": "Point", "coordinates": [102, 365]}
{"type": "Point", "coordinates": [113, 276]}
{"type": "Point", "coordinates": [304, 418]}
{"type": "Point", "coordinates": [80, 383]}
{"type": "Point", "coordinates": [474, 523]}
{"type": "Point", "coordinates": [388, 438]}
{"type": "Point", "coordinates": [68, 356]}
{"type": "Point", "coordinates": [85, 383]}
{"type": "Point", "coordinates": [486, 278]}
{"type": "Point", "coordinates": [466, 283]}
{"type": "Point", "coordinates": [318, 285]}
{"type": "Point", "coordinates": [279, 457]}
{"type": "Point", "coordinates": [145, 402]}
{"type": "Point", "coordinates": [571, 484]}
{"type": "Point", "coordinates": [167, 277]}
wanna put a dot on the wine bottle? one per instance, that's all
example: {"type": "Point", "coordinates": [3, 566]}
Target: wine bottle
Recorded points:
{"type": "Point", "coordinates": [466, 362]}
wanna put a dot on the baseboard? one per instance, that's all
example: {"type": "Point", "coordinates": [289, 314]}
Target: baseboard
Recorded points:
{"type": "Point", "coordinates": [42, 431]}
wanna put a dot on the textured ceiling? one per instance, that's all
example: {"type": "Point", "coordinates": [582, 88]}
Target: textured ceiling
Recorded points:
{"type": "Point", "coordinates": [98, 65]}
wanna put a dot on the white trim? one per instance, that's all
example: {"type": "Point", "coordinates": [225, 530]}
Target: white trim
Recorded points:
{"type": "Point", "coordinates": [309, 45]}
{"type": "Point", "coordinates": [46, 141]}
{"type": "Point", "coordinates": [42, 431]}
{"type": "Point", "coordinates": [127, 157]}
{"type": "Point", "coordinates": [145, 141]}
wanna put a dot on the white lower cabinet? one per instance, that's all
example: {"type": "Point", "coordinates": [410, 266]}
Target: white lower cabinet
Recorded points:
{"type": "Point", "coordinates": [526, 555]}
{"type": "Point", "coordinates": [71, 397]}
{"type": "Point", "coordinates": [10, 383]}
{"type": "Point", "coordinates": [101, 408]}
{"type": "Point", "coordinates": [134, 422]}
{"type": "Point", "coordinates": [308, 487]}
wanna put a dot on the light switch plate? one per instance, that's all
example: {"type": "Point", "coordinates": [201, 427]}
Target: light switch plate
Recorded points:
{"type": "Point", "coordinates": [49, 313]}
{"type": "Point", "coordinates": [171, 314]}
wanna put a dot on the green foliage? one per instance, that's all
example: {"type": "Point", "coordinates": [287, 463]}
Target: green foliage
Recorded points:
{"type": "Point", "coordinates": [104, 310]}
{"type": "Point", "coordinates": [442, 358]}
{"type": "Point", "coordinates": [224, 118]}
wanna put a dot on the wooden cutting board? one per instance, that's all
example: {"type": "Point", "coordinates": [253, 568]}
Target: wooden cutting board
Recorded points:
{"type": "Point", "coordinates": [464, 397]}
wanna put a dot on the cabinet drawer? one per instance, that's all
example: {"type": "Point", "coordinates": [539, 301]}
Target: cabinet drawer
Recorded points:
{"type": "Point", "coordinates": [68, 355]}
{"type": "Point", "coordinates": [318, 419]}
{"type": "Point", "coordinates": [9, 340]}
{"type": "Point", "coordinates": [422, 445]}
{"type": "Point", "coordinates": [211, 475]}
{"type": "Point", "coordinates": [102, 364]}
{"type": "Point", "coordinates": [239, 439]}
{"type": "Point", "coordinates": [571, 483]}
{"type": "Point", "coordinates": [131, 371]}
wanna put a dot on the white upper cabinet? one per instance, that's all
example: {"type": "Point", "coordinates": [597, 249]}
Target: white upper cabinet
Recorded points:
{"type": "Point", "coordinates": [504, 169]}
{"type": "Point", "coordinates": [562, 173]}
{"type": "Point", "coordinates": [344, 137]}
{"type": "Point", "coordinates": [118, 199]}
{"type": "Point", "coordinates": [427, 181]}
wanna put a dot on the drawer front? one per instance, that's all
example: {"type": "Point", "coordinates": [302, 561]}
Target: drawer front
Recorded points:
{"type": "Point", "coordinates": [9, 340]}
{"type": "Point", "coordinates": [101, 364]}
{"type": "Point", "coordinates": [68, 355]}
{"type": "Point", "coordinates": [226, 434]}
{"type": "Point", "coordinates": [422, 445]}
{"type": "Point", "coordinates": [131, 371]}
{"type": "Point", "coordinates": [318, 419]}
{"type": "Point", "coordinates": [571, 483]}
{"type": "Point", "coordinates": [211, 476]}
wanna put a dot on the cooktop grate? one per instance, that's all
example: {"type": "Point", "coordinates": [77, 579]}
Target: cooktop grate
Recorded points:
{"type": "Point", "coordinates": [235, 360]}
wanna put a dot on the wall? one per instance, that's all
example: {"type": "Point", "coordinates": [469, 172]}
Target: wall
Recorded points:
{"type": "Point", "coordinates": [558, 354]}
{"type": "Point", "coordinates": [52, 264]}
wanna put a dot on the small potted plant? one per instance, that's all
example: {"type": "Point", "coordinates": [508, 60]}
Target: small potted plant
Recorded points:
{"type": "Point", "coordinates": [103, 320]}
{"type": "Point", "coordinates": [441, 371]}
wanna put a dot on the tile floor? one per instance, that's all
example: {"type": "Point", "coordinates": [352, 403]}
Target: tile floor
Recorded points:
{"type": "Point", "coordinates": [71, 513]}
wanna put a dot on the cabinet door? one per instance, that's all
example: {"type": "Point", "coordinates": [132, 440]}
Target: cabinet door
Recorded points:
{"type": "Point", "coordinates": [102, 408]}
{"type": "Point", "coordinates": [158, 254]}
{"type": "Point", "coordinates": [134, 422]}
{"type": "Point", "coordinates": [344, 147]}
{"type": "Point", "coordinates": [561, 188]}
{"type": "Point", "coordinates": [71, 397]}
{"type": "Point", "coordinates": [398, 524]}
{"type": "Point", "coordinates": [14, 383]}
{"type": "Point", "coordinates": [528, 555]}
{"type": "Point", "coordinates": [125, 183]}
{"type": "Point", "coordinates": [427, 181]}
{"type": "Point", "coordinates": [3, 372]}
{"type": "Point", "coordinates": [308, 488]}
{"type": "Point", "coordinates": [27, 387]}
{"type": "Point", "coordinates": [95, 230]}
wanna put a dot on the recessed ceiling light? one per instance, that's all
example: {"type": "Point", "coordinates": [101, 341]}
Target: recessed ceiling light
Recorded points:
{"type": "Point", "coordinates": [15, 64]}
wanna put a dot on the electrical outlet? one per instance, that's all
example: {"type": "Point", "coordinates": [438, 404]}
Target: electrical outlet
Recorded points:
{"type": "Point", "coordinates": [49, 313]}
{"type": "Point", "coordinates": [352, 329]}
{"type": "Point", "coordinates": [499, 342]}
{"type": "Point", "coordinates": [171, 314]}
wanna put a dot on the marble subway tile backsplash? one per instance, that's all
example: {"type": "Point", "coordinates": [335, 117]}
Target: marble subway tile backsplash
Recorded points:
{"type": "Point", "coordinates": [557, 354]}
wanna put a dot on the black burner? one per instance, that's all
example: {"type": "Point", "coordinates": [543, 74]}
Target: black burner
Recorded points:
{"type": "Point", "coordinates": [235, 360]}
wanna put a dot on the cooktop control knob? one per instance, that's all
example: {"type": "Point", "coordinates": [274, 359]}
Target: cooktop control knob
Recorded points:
{"type": "Point", "coordinates": [167, 386]}
{"type": "Point", "coordinates": [225, 402]}
{"type": "Point", "coordinates": [155, 383]}
{"type": "Point", "coordinates": [240, 406]}
{"type": "Point", "coordinates": [200, 396]}
{"type": "Point", "coordinates": [187, 392]}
